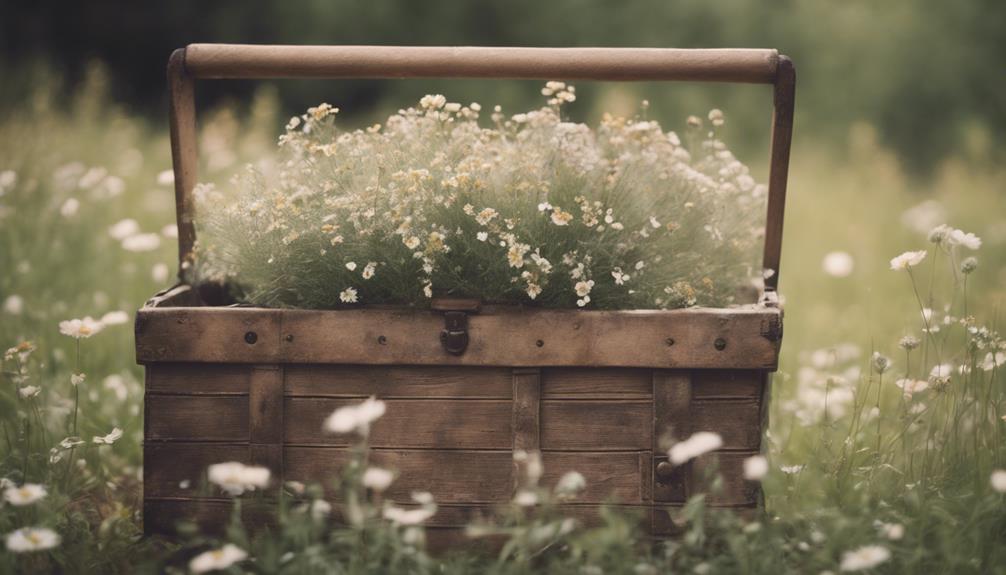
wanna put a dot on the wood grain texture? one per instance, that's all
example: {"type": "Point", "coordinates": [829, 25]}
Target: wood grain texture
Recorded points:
{"type": "Point", "coordinates": [184, 154]}
{"type": "Point", "coordinates": [596, 425]}
{"type": "Point", "coordinates": [444, 424]}
{"type": "Point", "coordinates": [596, 383]}
{"type": "Point", "coordinates": [526, 412]}
{"type": "Point", "coordinates": [179, 469]}
{"type": "Point", "coordinates": [784, 102]}
{"type": "Point", "coordinates": [197, 379]}
{"type": "Point", "coordinates": [504, 337]}
{"type": "Point", "coordinates": [727, 384]}
{"type": "Point", "coordinates": [196, 418]}
{"type": "Point", "coordinates": [737, 422]}
{"type": "Point", "coordinates": [396, 382]}
{"type": "Point", "coordinates": [257, 61]}
{"type": "Point", "coordinates": [266, 417]}
{"type": "Point", "coordinates": [671, 416]}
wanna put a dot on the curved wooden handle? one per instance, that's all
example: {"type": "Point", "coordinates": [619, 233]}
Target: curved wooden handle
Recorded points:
{"type": "Point", "coordinates": [221, 61]}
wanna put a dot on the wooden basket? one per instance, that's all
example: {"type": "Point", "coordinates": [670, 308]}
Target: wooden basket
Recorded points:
{"type": "Point", "coordinates": [465, 386]}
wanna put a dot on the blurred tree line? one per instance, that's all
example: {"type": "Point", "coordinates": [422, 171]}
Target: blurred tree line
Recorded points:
{"type": "Point", "coordinates": [927, 73]}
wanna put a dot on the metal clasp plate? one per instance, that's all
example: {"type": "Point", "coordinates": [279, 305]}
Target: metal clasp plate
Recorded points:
{"type": "Point", "coordinates": [454, 337]}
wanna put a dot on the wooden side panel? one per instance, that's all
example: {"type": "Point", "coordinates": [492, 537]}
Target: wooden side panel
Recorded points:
{"type": "Point", "coordinates": [737, 422]}
{"type": "Point", "coordinates": [265, 424]}
{"type": "Point", "coordinates": [727, 384]}
{"type": "Point", "coordinates": [408, 423]}
{"type": "Point", "coordinates": [179, 469]}
{"type": "Point", "coordinates": [745, 337]}
{"type": "Point", "coordinates": [196, 418]}
{"type": "Point", "coordinates": [596, 383]}
{"type": "Point", "coordinates": [730, 465]}
{"type": "Point", "coordinates": [596, 425]}
{"type": "Point", "coordinates": [526, 409]}
{"type": "Point", "coordinates": [197, 378]}
{"type": "Point", "coordinates": [391, 382]}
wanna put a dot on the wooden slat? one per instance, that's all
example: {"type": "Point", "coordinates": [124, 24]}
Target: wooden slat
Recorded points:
{"type": "Point", "coordinates": [672, 400]}
{"type": "Point", "coordinates": [737, 422]}
{"type": "Point", "coordinates": [196, 418]}
{"type": "Point", "coordinates": [265, 418]}
{"type": "Point", "coordinates": [399, 382]}
{"type": "Point", "coordinates": [254, 61]}
{"type": "Point", "coordinates": [736, 490]}
{"type": "Point", "coordinates": [207, 334]}
{"type": "Point", "coordinates": [444, 424]}
{"type": "Point", "coordinates": [451, 476]}
{"type": "Point", "coordinates": [727, 383]}
{"type": "Point", "coordinates": [596, 383]}
{"type": "Point", "coordinates": [596, 425]}
{"type": "Point", "coordinates": [611, 477]}
{"type": "Point", "coordinates": [167, 465]}
{"type": "Point", "coordinates": [526, 412]}
{"type": "Point", "coordinates": [162, 515]}
{"type": "Point", "coordinates": [498, 337]}
{"type": "Point", "coordinates": [197, 378]}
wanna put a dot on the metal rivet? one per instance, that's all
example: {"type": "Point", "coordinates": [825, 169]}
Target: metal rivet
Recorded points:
{"type": "Point", "coordinates": [289, 337]}
{"type": "Point", "coordinates": [669, 341]}
{"type": "Point", "coordinates": [720, 344]}
{"type": "Point", "coordinates": [251, 337]}
{"type": "Point", "coordinates": [540, 343]}
{"type": "Point", "coordinates": [382, 340]}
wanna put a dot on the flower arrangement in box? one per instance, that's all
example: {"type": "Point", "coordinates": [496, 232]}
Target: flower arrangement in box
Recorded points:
{"type": "Point", "coordinates": [531, 209]}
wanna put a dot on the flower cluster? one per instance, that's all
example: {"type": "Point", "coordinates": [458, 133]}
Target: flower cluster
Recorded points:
{"type": "Point", "coordinates": [534, 210]}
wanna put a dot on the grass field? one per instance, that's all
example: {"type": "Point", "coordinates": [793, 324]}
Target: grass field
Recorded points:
{"type": "Point", "coordinates": [854, 463]}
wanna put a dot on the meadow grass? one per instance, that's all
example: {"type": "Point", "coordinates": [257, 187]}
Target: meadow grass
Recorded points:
{"type": "Point", "coordinates": [908, 487]}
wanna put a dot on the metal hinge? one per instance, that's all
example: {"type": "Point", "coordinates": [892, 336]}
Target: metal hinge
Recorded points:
{"type": "Point", "coordinates": [454, 336]}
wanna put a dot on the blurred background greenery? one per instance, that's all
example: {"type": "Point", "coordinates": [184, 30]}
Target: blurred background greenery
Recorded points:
{"type": "Point", "coordinates": [926, 73]}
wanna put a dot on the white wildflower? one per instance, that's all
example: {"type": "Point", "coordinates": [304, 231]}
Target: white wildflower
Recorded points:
{"type": "Point", "coordinates": [837, 264]}
{"type": "Point", "coordinates": [968, 240]}
{"type": "Point", "coordinates": [355, 417]}
{"type": "Point", "coordinates": [791, 469]}
{"type": "Point", "coordinates": [570, 484]}
{"type": "Point", "coordinates": [351, 266]}
{"type": "Point", "coordinates": [69, 207]}
{"type": "Point", "coordinates": [77, 378]}
{"type": "Point", "coordinates": [123, 229]}
{"type": "Point", "coordinates": [29, 391]}
{"type": "Point", "coordinates": [31, 539]}
{"type": "Point", "coordinates": [482, 236]}
{"type": "Point", "coordinates": [998, 480]}
{"type": "Point", "coordinates": [160, 273]}
{"type": "Point", "coordinates": [217, 559]}
{"type": "Point", "coordinates": [526, 498]}
{"type": "Point", "coordinates": [13, 305]}
{"type": "Point", "coordinates": [891, 531]}
{"type": "Point", "coordinates": [141, 243]}
{"type": "Point", "coordinates": [716, 117]}
{"type": "Point", "coordinates": [620, 276]}
{"type": "Point", "coordinates": [24, 495]}
{"type": "Point", "coordinates": [698, 444]}
{"type": "Point", "coordinates": [907, 260]}
{"type": "Point", "coordinates": [864, 558]}
{"type": "Point", "coordinates": [235, 478]}
{"type": "Point", "coordinates": [755, 468]}
{"type": "Point", "coordinates": [368, 270]}
{"type": "Point", "coordinates": [80, 328]}
{"type": "Point", "coordinates": [348, 295]}
{"type": "Point", "coordinates": [117, 317]}
{"type": "Point", "coordinates": [911, 386]}
{"type": "Point", "coordinates": [109, 439]}
{"type": "Point", "coordinates": [377, 479]}
{"type": "Point", "coordinates": [412, 242]}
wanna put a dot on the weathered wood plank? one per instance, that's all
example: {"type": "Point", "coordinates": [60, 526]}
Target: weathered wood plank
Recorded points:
{"type": "Point", "coordinates": [737, 422]}
{"type": "Point", "coordinates": [451, 476]}
{"type": "Point", "coordinates": [265, 418]}
{"type": "Point", "coordinates": [502, 337]}
{"type": "Point", "coordinates": [197, 378]}
{"type": "Point", "coordinates": [596, 383]}
{"type": "Point", "coordinates": [727, 384]}
{"type": "Point", "coordinates": [179, 469]}
{"type": "Point", "coordinates": [672, 416]}
{"type": "Point", "coordinates": [388, 382]}
{"type": "Point", "coordinates": [444, 424]}
{"type": "Point", "coordinates": [526, 414]}
{"type": "Point", "coordinates": [596, 425]}
{"type": "Point", "coordinates": [196, 418]}
{"type": "Point", "coordinates": [208, 334]}
{"type": "Point", "coordinates": [611, 477]}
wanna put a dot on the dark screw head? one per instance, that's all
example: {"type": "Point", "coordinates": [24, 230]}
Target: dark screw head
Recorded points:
{"type": "Point", "coordinates": [289, 337]}
{"type": "Point", "coordinates": [540, 343]}
{"type": "Point", "coordinates": [251, 337]}
{"type": "Point", "coordinates": [669, 341]}
{"type": "Point", "coordinates": [382, 340]}
{"type": "Point", "coordinates": [720, 344]}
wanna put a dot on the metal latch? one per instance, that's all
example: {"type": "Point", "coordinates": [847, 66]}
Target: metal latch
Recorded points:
{"type": "Point", "coordinates": [454, 336]}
